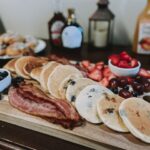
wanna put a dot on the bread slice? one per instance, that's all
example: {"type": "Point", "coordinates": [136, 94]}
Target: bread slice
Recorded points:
{"type": "Point", "coordinates": [46, 71]}
{"type": "Point", "coordinates": [57, 76]}
{"type": "Point", "coordinates": [35, 73]}
{"type": "Point", "coordinates": [11, 65]}
{"type": "Point", "coordinates": [107, 108]}
{"type": "Point", "coordinates": [135, 112]}
{"type": "Point", "coordinates": [86, 102]}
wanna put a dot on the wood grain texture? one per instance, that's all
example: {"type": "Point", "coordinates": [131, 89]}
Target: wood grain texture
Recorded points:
{"type": "Point", "coordinates": [88, 135]}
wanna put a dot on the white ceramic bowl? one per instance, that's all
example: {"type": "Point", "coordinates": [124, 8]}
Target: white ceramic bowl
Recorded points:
{"type": "Point", "coordinates": [6, 81]}
{"type": "Point", "coordinates": [124, 71]}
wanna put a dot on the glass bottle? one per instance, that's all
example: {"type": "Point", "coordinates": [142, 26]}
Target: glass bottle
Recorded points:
{"type": "Point", "coordinates": [72, 34]}
{"type": "Point", "coordinates": [141, 43]}
{"type": "Point", "coordinates": [56, 25]}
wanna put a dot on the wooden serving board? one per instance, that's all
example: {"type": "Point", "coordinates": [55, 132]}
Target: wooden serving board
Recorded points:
{"type": "Point", "coordinates": [93, 136]}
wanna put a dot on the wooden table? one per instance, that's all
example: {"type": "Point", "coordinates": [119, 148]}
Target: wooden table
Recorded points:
{"type": "Point", "coordinates": [14, 137]}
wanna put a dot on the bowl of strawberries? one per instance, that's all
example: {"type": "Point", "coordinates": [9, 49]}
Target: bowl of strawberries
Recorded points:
{"type": "Point", "coordinates": [123, 64]}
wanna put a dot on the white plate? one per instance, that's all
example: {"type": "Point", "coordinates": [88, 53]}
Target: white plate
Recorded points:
{"type": "Point", "coordinates": [39, 48]}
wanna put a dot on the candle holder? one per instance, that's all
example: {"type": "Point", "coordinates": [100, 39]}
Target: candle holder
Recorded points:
{"type": "Point", "coordinates": [101, 26]}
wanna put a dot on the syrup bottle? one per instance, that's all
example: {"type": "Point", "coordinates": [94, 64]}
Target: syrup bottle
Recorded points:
{"type": "Point", "coordinates": [72, 34]}
{"type": "Point", "coordinates": [141, 43]}
{"type": "Point", "coordinates": [56, 25]}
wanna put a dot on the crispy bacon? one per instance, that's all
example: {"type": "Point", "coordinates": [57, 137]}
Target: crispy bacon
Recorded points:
{"type": "Point", "coordinates": [31, 100]}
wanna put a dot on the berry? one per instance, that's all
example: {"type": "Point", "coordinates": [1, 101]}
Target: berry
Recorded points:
{"type": "Point", "coordinates": [146, 87]}
{"type": "Point", "coordinates": [123, 82]}
{"type": "Point", "coordinates": [138, 88]}
{"type": "Point", "coordinates": [125, 93]}
{"type": "Point", "coordinates": [104, 82]}
{"type": "Point", "coordinates": [134, 63]}
{"type": "Point", "coordinates": [95, 75]}
{"type": "Point", "coordinates": [124, 56]}
{"type": "Point", "coordinates": [124, 64]}
{"type": "Point", "coordinates": [106, 72]}
{"type": "Point", "coordinates": [114, 59]}
{"type": "Point", "coordinates": [144, 73]}
{"type": "Point", "coordinates": [113, 83]}
{"type": "Point", "coordinates": [85, 63]}
{"type": "Point", "coordinates": [135, 94]}
{"type": "Point", "coordinates": [126, 87]}
{"type": "Point", "coordinates": [114, 90]}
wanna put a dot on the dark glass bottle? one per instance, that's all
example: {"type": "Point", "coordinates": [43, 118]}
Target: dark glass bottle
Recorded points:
{"type": "Point", "coordinates": [55, 26]}
{"type": "Point", "coordinates": [72, 34]}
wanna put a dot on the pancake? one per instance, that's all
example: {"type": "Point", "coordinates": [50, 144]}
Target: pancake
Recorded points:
{"type": "Point", "coordinates": [57, 76]}
{"type": "Point", "coordinates": [35, 73]}
{"type": "Point", "coordinates": [65, 83]}
{"type": "Point", "coordinates": [20, 63]}
{"type": "Point", "coordinates": [86, 102]}
{"type": "Point", "coordinates": [135, 112]}
{"type": "Point", "coordinates": [11, 65]}
{"type": "Point", "coordinates": [107, 108]}
{"type": "Point", "coordinates": [76, 86]}
{"type": "Point", "coordinates": [46, 71]}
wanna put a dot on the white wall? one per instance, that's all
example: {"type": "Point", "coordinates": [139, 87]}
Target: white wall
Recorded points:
{"type": "Point", "coordinates": [31, 16]}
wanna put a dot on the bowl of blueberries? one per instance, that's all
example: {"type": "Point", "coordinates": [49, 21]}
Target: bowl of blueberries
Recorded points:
{"type": "Point", "coordinates": [5, 79]}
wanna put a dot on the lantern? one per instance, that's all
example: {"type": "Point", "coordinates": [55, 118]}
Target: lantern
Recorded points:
{"type": "Point", "coordinates": [100, 25]}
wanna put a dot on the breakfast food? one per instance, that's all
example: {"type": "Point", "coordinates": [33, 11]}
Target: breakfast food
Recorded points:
{"type": "Point", "coordinates": [58, 74]}
{"type": "Point", "coordinates": [14, 45]}
{"type": "Point", "coordinates": [46, 71]}
{"type": "Point", "coordinates": [11, 37]}
{"type": "Point", "coordinates": [17, 49]}
{"type": "Point", "coordinates": [35, 73]}
{"type": "Point", "coordinates": [75, 86]}
{"type": "Point", "coordinates": [65, 83]}
{"type": "Point", "coordinates": [135, 113]}
{"type": "Point", "coordinates": [11, 65]}
{"type": "Point", "coordinates": [86, 102]}
{"type": "Point", "coordinates": [32, 100]}
{"type": "Point", "coordinates": [107, 108]}
{"type": "Point", "coordinates": [123, 60]}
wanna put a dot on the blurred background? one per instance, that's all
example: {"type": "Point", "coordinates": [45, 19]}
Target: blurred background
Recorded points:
{"type": "Point", "coordinates": [32, 16]}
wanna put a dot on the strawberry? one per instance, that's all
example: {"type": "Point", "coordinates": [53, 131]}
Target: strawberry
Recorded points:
{"type": "Point", "coordinates": [104, 82]}
{"type": "Point", "coordinates": [100, 65]}
{"type": "Point", "coordinates": [106, 72]}
{"type": "Point", "coordinates": [85, 63]}
{"type": "Point", "coordinates": [114, 59]}
{"type": "Point", "coordinates": [124, 64]}
{"type": "Point", "coordinates": [130, 80]}
{"type": "Point", "coordinates": [134, 63]}
{"type": "Point", "coordinates": [124, 56]}
{"type": "Point", "coordinates": [95, 75]}
{"type": "Point", "coordinates": [144, 73]}
{"type": "Point", "coordinates": [91, 67]}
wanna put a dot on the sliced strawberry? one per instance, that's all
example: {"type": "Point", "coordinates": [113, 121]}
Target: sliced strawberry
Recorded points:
{"type": "Point", "coordinates": [91, 67]}
{"type": "Point", "coordinates": [104, 82]}
{"type": "Point", "coordinates": [130, 80]}
{"type": "Point", "coordinates": [100, 65]}
{"type": "Point", "coordinates": [144, 73]}
{"type": "Point", "coordinates": [124, 64]}
{"type": "Point", "coordinates": [106, 72]}
{"type": "Point", "coordinates": [95, 75]}
{"type": "Point", "coordinates": [134, 63]}
{"type": "Point", "coordinates": [85, 63]}
{"type": "Point", "coordinates": [114, 59]}
{"type": "Point", "coordinates": [124, 56]}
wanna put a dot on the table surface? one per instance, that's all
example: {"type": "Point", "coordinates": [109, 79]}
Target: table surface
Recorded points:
{"type": "Point", "coordinates": [14, 137]}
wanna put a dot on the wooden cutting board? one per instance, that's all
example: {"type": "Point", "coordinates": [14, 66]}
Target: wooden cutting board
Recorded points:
{"type": "Point", "coordinates": [93, 136]}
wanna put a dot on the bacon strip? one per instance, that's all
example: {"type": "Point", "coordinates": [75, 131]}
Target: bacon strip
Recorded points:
{"type": "Point", "coordinates": [31, 100]}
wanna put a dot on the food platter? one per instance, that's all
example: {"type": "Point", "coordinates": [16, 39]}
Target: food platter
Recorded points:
{"type": "Point", "coordinates": [68, 118]}
{"type": "Point", "coordinates": [39, 48]}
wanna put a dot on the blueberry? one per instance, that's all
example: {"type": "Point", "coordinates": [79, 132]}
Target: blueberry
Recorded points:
{"type": "Point", "coordinates": [73, 98]}
{"type": "Point", "coordinates": [114, 90]}
{"type": "Point", "coordinates": [135, 94]}
{"type": "Point", "coordinates": [126, 87]}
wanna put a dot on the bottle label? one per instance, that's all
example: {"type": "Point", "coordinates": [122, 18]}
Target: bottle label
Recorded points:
{"type": "Point", "coordinates": [144, 38]}
{"type": "Point", "coordinates": [56, 32]}
{"type": "Point", "coordinates": [72, 37]}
